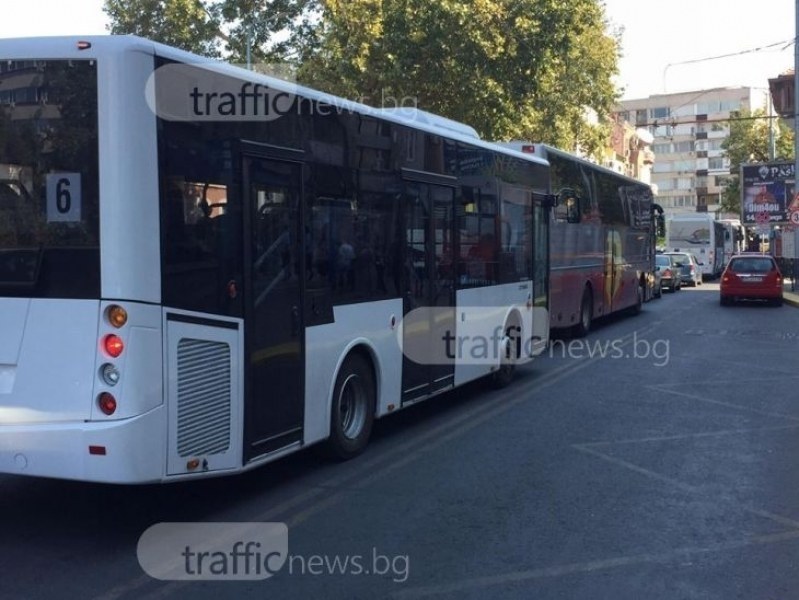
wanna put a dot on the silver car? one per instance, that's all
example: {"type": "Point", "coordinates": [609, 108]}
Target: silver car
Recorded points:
{"type": "Point", "coordinates": [688, 266]}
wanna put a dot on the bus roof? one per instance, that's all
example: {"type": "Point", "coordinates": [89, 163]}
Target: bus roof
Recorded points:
{"type": "Point", "coordinates": [543, 150]}
{"type": "Point", "coordinates": [43, 48]}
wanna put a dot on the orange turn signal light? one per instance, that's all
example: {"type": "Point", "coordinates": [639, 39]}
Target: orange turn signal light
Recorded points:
{"type": "Point", "coordinates": [117, 315]}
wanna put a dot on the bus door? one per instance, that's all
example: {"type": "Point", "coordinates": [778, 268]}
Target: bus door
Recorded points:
{"type": "Point", "coordinates": [273, 418]}
{"type": "Point", "coordinates": [429, 301]}
{"type": "Point", "coordinates": [614, 270]}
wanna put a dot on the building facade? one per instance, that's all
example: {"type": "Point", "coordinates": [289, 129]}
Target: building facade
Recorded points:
{"type": "Point", "coordinates": [689, 128]}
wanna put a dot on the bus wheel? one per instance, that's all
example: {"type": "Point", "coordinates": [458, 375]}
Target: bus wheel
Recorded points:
{"type": "Point", "coordinates": [507, 366]}
{"type": "Point", "coordinates": [639, 301]}
{"type": "Point", "coordinates": [352, 412]}
{"type": "Point", "coordinates": [586, 315]}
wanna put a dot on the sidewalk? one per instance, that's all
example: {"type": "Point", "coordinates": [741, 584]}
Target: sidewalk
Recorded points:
{"type": "Point", "coordinates": [790, 297]}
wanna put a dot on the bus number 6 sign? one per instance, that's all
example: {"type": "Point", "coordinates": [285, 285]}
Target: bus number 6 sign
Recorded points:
{"type": "Point", "coordinates": [63, 197]}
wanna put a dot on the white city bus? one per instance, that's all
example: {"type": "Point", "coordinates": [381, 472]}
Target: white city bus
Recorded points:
{"type": "Point", "coordinates": [203, 269]}
{"type": "Point", "coordinates": [734, 237]}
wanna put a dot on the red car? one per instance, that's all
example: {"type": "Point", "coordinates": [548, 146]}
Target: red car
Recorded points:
{"type": "Point", "coordinates": [751, 276]}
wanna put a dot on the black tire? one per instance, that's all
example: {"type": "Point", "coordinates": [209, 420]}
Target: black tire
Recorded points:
{"type": "Point", "coordinates": [586, 315]}
{"type": "Point", "coordinates": [776, 302]}
{"type": "Point", "coordinates": [639, 303]}
{"type": "Point", "coordinates": [724, 300]}
{"type": "Point", "coordinates": [503, 376]}
{"type": "Point", "coordinates": [659, 293]}
{"type": "Point", "coordinates": [353, 409]}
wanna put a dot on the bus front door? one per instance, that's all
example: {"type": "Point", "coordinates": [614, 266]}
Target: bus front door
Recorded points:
{"type": "Point", "coordinates": [274, 413]}
{"type": "Point", "coordinates": [614, 272]}
{"type": "Point", "coordinates": [429, 302]}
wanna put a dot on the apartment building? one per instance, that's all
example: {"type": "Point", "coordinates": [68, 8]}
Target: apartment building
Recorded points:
{"type": "Point", "coordinates": [688, 128]}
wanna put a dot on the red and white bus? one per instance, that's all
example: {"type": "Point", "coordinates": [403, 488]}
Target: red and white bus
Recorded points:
{"type": "Point", "coordinates": [203, 269]}
{"type": "Point", "coordinates": [602, 240]}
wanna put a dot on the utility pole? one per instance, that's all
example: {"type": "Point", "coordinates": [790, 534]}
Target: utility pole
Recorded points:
{"type": "Point", "coordinates": [771, 118]}
{"type": "Point", "coordinates": [796, 93]}
{"type": "Point", "coordinates": [795, 121]}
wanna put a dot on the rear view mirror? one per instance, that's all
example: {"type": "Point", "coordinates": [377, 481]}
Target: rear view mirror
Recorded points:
{"type": "Point", "coordinates": [568, 199]}
{"type": "Point", "coordinates": [660, 226]}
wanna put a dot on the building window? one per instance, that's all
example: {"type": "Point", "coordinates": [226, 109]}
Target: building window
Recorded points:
{"type": "Point", "coordinates": [659, 113]}
{"type": "Point", "coordinates": [716, 163]}
{"type": "Point", "coordinates": [661, 148]}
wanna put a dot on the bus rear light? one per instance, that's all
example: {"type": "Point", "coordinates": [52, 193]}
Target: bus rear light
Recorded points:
{"type": "Point", "coordinates": [97, 450]}
{"type": "Point", "coordinates": [117, 315]}
{"type": "Point", "coordinates": [110, 374]}
{"type": "Point", "coordinates": [113, 345]}
{"type": "Point", "coordinates": [107, 403]}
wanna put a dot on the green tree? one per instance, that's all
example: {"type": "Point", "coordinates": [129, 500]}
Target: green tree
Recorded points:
{"type": "Point", "coordinates": [512, 69]}
{"type": "Point", "coordinates": [271, 29]}
{"type": "Point", "coordinates": [748, 142]}
{"type": "Point", "coordinates": [181, 23]}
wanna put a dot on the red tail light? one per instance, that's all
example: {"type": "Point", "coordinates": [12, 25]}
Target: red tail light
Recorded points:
{"type": "Point", "coordinates": [113, 345]}
{"type": "Point", "coordinates": [107, 403]}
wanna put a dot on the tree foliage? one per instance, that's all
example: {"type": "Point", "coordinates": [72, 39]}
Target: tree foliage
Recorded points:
{"type": "Point", "coordinates": [271, 29]}
{"type": "Point", "coordinates": [181, 23]}
{"type": "Point", "coordinates": [513, 69]}
{"type": "Point", "coordinates": [748, 142]}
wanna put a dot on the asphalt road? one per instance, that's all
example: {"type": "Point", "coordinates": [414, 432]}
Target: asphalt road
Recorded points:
{"type": "Point", "coordinates": [657, 458]}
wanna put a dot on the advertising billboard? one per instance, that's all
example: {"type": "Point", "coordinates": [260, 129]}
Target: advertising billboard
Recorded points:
{"type": "Point", "coordinates": [767, 193]}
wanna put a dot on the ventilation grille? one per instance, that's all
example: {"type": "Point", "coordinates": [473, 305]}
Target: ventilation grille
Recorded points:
{"type": "Point", "coordinates": [203, 397]}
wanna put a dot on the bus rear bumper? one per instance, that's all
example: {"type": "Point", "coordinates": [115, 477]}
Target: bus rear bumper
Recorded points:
{"type": "Point", "coordinates": [125, 451]}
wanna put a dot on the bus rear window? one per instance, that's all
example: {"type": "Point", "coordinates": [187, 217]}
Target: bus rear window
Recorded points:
{"type": "Point", "coordinates": [49, 215]}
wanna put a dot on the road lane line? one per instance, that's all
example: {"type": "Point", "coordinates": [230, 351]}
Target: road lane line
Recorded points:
{"type": "Point", "coordinates": [633, 467]}
{"type": "Point", "coordinates": [686, 436]}
{"type": "Point", "coordinates": [468, 585]}
{"type": "Point", "coordinates": [499, 405]}
{"type": "Point", "coordinates": [782, 520]}
{"type": "Point", "coordinates": [662, 388]}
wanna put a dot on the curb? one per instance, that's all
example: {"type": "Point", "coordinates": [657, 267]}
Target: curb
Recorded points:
{"type": "Point", "coordinates": [791, 298]}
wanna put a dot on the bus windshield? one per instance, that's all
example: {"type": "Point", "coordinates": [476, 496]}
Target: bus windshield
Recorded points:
{"type": "Point", "coordinates": [49, 216]}
{"type": "Point", "coordinates": [690, 232]}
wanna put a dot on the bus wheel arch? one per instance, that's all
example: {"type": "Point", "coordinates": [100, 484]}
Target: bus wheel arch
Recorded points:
{"type": "Point", "coordinates": [353, 405]}
{"type": "Point", "coordinates": [510, 350]}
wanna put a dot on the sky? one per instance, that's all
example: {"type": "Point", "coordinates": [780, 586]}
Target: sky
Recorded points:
{"type": "Point", "coordinates": [658, 36]}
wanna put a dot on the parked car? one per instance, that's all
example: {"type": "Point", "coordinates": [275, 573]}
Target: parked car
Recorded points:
{"type": "Point", "coordinates": [669, 274]}
{"type": "Point", "coordinates": [751, 276]}
{"type": "Point", "coordinates": [690, 273]}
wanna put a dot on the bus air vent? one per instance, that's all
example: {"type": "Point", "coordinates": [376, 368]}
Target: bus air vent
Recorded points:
{"type": "Point", "coordinates": [204, 397]}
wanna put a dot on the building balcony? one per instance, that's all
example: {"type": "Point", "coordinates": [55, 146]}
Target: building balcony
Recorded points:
{"type": "Point", "coordinates": [648, 157]}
